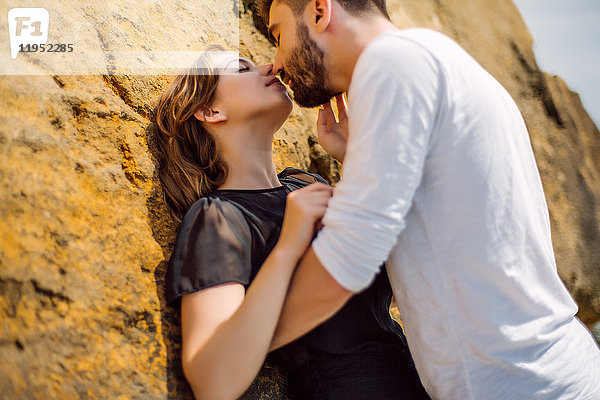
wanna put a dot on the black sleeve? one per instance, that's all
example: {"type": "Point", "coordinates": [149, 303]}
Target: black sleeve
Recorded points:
{"type": "Point", "coordinates": [212, 247]}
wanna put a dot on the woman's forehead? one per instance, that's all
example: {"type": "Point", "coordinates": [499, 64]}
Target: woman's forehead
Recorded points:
{"type": "Point", "coordinates": [222, 63]}
{"type": "Point", "coordinates": [233, 61]}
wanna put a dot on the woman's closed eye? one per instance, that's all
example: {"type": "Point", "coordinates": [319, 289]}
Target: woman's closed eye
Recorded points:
{"type": "Point", "coordinates": [244, 69]}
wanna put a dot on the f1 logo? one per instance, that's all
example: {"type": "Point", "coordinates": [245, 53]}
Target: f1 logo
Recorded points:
{"type": "Point", "coordinates": [27, 26]}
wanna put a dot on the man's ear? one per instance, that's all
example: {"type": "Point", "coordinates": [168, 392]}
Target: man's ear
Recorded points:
{"type": "Point", "coordinates": [319, 13]}
{"type": "Point", "coordinates": [210, 116]}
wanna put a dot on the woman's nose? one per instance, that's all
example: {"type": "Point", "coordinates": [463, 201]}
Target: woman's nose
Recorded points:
{"type": "Point", "coordinates": [266, 69]}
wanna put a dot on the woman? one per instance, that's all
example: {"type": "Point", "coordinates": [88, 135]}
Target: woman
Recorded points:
{"type": "Point", "coordinates": [236, 250]}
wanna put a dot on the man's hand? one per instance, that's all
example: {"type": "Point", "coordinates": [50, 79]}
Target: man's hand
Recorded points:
{"type": "Point", "coordinates": [333, 135]}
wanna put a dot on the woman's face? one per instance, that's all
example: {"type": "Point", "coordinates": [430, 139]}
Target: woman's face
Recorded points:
{"type": "Point", "coordinates": [253, 93]}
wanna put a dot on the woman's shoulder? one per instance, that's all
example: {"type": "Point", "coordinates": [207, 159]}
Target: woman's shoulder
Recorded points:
{"type": "Point", "coordinates": [301, 175]}
{"type": "Point", "coordinates": [213, 246]}
{"type": "Point", "coordinates": [212, 206]}
{"type": "Point", "coordinates": [209, 212]}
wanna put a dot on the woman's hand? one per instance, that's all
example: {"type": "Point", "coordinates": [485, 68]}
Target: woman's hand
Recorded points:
{"type": "Point", "coordinates": [303, 212]}
{"type": "Point", "coordinates": [333, 135]}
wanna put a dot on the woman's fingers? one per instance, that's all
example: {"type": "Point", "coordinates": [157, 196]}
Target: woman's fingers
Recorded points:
{"type": "Point", "coordinates": [341, 106]}
{"type": "Point", "coordinates": [326, 117]}
{"type": "Point", "coordinates": [304, 209]}
{"type": "Point", "coordinates": [314, 206]}
{"type": "Point", "coordinates": [330, 116]}
{"type": "Point", "coordinates": [311, 200]}
{"type": "Point", "coordinates": [321, 121]}
{"type": "Point", "coordinates": [317, 186]}
{"type": "Point", "coordinates": [318, 225]}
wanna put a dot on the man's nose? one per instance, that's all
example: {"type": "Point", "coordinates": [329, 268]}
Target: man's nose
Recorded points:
{"type": "Point", "coordinates": [277, 65]}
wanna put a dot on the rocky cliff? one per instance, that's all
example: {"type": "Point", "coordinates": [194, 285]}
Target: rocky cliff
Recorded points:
{"type": "Point", "coordinates": [85, 235]}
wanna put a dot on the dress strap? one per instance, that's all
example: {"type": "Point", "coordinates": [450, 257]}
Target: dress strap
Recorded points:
{"type": "Point", "coordinates": [302, 175]}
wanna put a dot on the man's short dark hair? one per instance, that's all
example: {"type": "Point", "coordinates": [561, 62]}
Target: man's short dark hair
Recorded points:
{"type": "Point", "coordinates": [355, 7]}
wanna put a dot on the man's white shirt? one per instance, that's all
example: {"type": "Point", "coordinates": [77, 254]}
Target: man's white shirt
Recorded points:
{"type": "Point", "coordinates": [440, 181]}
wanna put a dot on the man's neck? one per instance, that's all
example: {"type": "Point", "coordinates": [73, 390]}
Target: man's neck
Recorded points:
{"type": "Point", "coordinates": [351, 39]}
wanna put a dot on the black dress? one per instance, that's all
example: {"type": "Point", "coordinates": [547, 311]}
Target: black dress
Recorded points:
{"type": "Point", "coordinates": [360, 353]}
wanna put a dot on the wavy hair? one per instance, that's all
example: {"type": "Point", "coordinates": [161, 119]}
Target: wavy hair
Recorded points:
{"type": "Point", "coordinates": [190, 162]}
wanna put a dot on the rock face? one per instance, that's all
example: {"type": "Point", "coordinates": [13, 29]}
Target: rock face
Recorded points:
{"type": "Point", "coordinates": [85, 235]}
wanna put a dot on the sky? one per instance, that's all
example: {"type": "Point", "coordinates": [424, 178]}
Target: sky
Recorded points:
{"type": "Point", "coordinates": [567, 43]}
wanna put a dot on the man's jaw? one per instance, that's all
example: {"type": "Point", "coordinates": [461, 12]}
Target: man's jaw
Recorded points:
{"type": "Point", "coordinates": [286, 78]}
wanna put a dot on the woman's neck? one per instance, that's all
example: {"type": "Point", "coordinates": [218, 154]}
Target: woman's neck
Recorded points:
{"type": "Point", "coordinates": [250, 167]}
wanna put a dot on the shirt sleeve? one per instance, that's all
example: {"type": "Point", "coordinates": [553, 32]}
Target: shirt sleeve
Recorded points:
{"type": "Point", "coordinates": [213, 246]}
{"type": "Point", "coordinates": [393, 102]}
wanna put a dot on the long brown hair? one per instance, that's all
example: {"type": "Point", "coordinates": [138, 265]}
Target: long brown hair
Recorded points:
{"type": "Point", "coordinates": [190, 161]}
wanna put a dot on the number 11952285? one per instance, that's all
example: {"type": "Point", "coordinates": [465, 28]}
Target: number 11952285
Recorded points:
{"type": "Point", "coordinates": [48, 48]}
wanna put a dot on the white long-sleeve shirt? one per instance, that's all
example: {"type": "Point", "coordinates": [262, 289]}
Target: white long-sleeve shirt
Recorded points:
{"type": "Point", "coordinates": [440, 181]}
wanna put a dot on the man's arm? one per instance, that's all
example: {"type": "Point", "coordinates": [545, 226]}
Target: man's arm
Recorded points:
{"type": "Point", "coordinates": [394, 100]}
{"type": "Point", "coordinates": [314, 296]}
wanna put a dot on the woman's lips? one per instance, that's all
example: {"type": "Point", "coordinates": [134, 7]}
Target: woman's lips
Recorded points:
{"type": "Point", "coordinates": [275, 81]}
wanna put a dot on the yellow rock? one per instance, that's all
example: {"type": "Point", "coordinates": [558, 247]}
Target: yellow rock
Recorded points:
{"type": "Point", "coordinates": [85, 235]}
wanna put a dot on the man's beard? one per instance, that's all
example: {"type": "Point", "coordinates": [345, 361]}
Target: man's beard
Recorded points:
{"type": "Point", "coordinates": [307, 72]}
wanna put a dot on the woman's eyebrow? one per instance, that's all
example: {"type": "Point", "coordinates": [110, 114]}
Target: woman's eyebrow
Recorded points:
{"type": "Point", "coordinates": [240, 61]}
{"type": "Point", "coordinates": [246, 61]}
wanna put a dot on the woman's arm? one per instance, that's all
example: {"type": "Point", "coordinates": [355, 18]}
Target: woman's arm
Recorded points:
{"type": "Point", "coordinates": [226, 333]}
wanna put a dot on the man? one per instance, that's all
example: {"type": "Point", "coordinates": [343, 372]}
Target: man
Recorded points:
{"type": "Point", "coordinates": [439, 181]}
